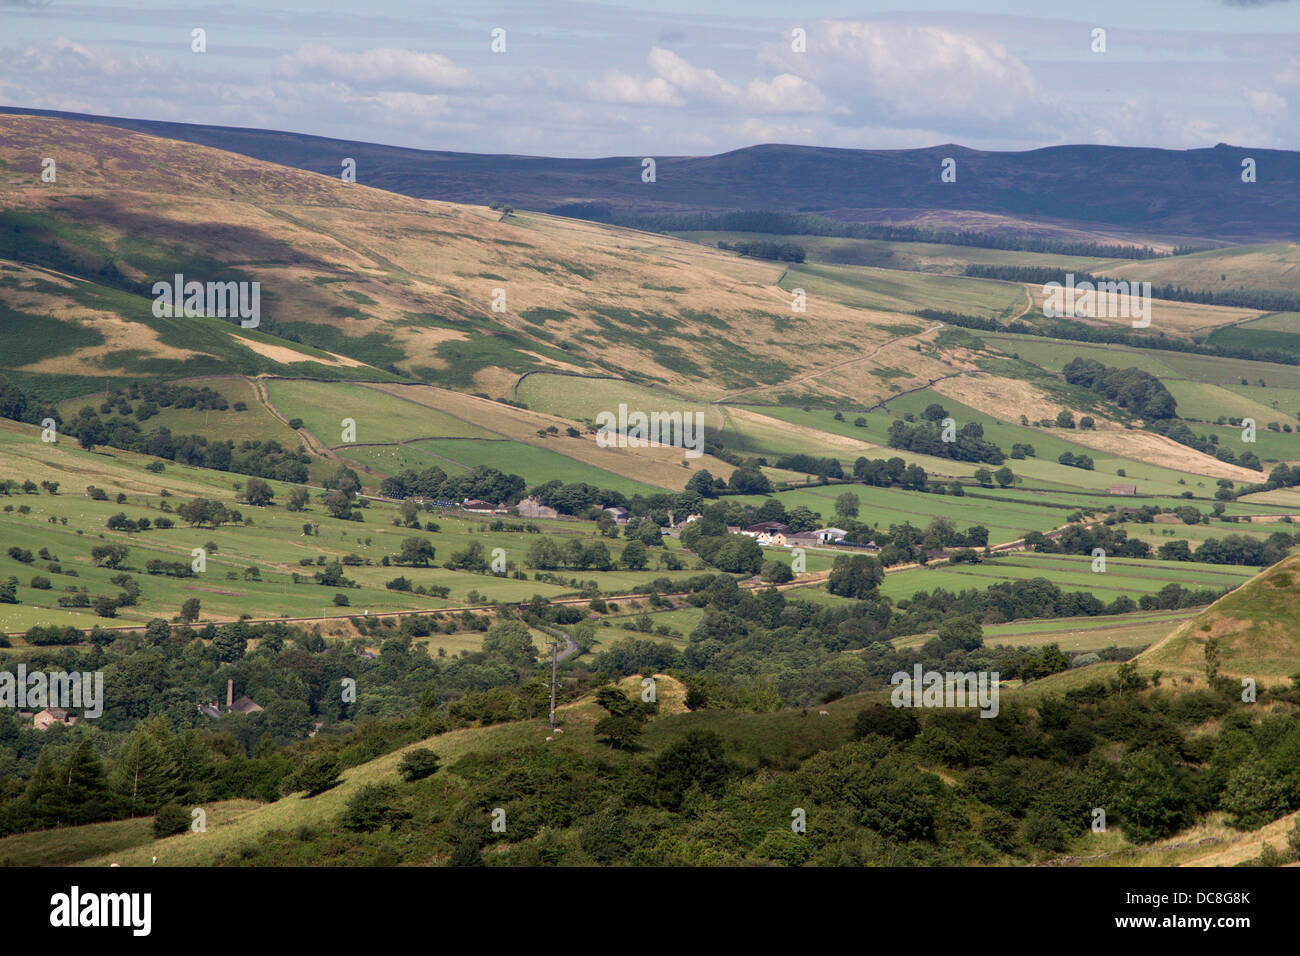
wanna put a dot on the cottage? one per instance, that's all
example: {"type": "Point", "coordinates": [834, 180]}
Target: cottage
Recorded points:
{"type": "Point", "coordinates": [1122, 489]}
{"type": "Point", "coordinates": [773, 539]}
{"type": "Point", "coordinates": [531, 507]}
{"type": "Point", "coordinates": [802, 539]}
{"type": "Point", "coordinates": [618, 513]}
{"type": "Point", "coordinates": [245, 706]}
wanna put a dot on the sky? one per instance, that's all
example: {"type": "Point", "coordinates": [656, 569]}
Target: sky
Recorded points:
{"type": "Point", "coordinates": [675, 77]}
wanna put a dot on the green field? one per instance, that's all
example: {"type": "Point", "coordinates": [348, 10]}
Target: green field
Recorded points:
{"type": "Point", "coordinates": [1071, 573]}
{"type": "Point", "coordinates": [378, 416]}
{"type": "Point", "coordinates": [889, 290]}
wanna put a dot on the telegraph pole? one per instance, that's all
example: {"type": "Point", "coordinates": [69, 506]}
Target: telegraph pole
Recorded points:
{"type": "Point", "coordinates": [555, 649]}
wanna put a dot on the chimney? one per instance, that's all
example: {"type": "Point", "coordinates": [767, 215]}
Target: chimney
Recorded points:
{"type": "Point", "coordinates": [230, 694]}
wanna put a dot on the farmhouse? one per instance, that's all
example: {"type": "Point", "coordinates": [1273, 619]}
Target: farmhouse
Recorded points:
{"type": "Point", "coordinates": [773, 539]}
{"type": "Point", "coordinates": [531, 507]}
{"type": "Point", "coordinates": [802, 539]}
{"type": "Point", "coordinates": [618, 513]}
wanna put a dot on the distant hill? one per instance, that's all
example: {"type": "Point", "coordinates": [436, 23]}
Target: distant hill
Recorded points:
{"type": "Point", "coordinates": [1117, 191]}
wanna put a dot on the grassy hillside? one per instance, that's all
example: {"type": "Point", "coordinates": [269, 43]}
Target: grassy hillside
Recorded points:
{"type": "Point", "coordinates": [1253, 628]}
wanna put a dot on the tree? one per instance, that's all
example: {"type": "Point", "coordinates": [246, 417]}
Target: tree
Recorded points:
{"type": "Point", "coordinates": [109, 555]}
{"type": "Point", "coordinates": [984, 477]}
{"type": "Point", "coordinates": [856, 576]}
{"type": "Point", "coordinates": [146, 772]}
{"type": "Point", "coordinates": [543, 553]}
{"type": "Point", "coordinates": [776, 572]}
{"type": "Point", "coordinates": [961, 633]}
{"type": "Point", "coordinates": [230, 642]}
{"type": "Point", "coordinates": [104, 606]}
{"type": "Point", "coordinates": [157, 630]}
{"type": "Point", "coordinates": [1213, 656]}
{"type": "Point", "coordinates": [410, 513]}
{"type": "Point", "coordinates": [621, 732]}
{"type": "Point", "coordinates": [633, 557]}
{"type": "Point", "coordinates": [170, 819]}
{"type": "Point", "coordinates": [1004, 477]}
{"type": "Point", "coordinates": [415, 551]}
{"type": "Point", "coordinates": [85, 788]}
{"type": "Point", "coordinates": [418, 764]}
{"type": "Point", "coordinates": [316, 776]}
{"type": "Point", "coordinates": [847, 505]}
{"type": "Point", "coordinates": [697, 759]}
{"type": "Point", "coordinates": [257, 492]}
{"type": "Point", "coordinates": [1065, 418]}
{"type": "Point", "coordinates": [1150, 801]}
{"type": "Point", "coordinates": [339, 504]}
{"type": "Point", "coordinates": [190, 610]}
{"type": "Point", "coordinates": [511, 641]}
{"type": "Point", "coordinates": [702, 484]}
{"type": "Point", "coordinates": [298, 500]}
{"type": "Point", "coordinates": [373, 807]}
{"type": "Point", "coordinates": [345, 480]}
{"type": "Point", "coordinates": [748, 480]}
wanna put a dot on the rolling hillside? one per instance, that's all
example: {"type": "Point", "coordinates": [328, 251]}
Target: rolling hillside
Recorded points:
{"type": "Point", "coordinates": [1105, 192]}
{"type": "Point", "coordinates": [1254, 628]}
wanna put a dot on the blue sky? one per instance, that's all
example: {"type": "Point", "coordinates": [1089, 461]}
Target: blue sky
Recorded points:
{"type": "Point", "coordinates": [660, 77]}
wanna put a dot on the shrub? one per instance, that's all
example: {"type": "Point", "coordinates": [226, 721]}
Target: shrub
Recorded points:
{"type": "Point", "coordinates": [171, 819]}
{"type": "Point", "coordinates": [418, 764]}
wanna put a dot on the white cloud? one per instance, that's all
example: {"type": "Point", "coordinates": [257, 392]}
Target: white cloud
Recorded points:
{"type": "Point", "coordinates": [618, 87]}
{"type": "Point", "coordinates": [677, 82]}
{"type": "Point", "coordinates": [70, 60]}
{"type": "Point", "coordinates": [909, 72]}
{"type": "Point", "coordinates": [1266, 104]}
{"type": "Point", "coordinates": [380, 68]}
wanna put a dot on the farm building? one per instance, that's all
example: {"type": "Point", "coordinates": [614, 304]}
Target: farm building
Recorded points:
{"type": "Point", "coordinates": [1122, 489]}
{"type": "Point", "coordinates": [802, 539]}
{"type": "Point", "coordinates": [42, 720]}
{"type": "Point", "coordinates": [532, 508]}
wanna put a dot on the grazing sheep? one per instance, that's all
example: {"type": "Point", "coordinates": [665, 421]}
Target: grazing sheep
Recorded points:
{"type": "Point", "coordinates": [823, 713]}
{"type": "Point", "coordinates": [549, 739]}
